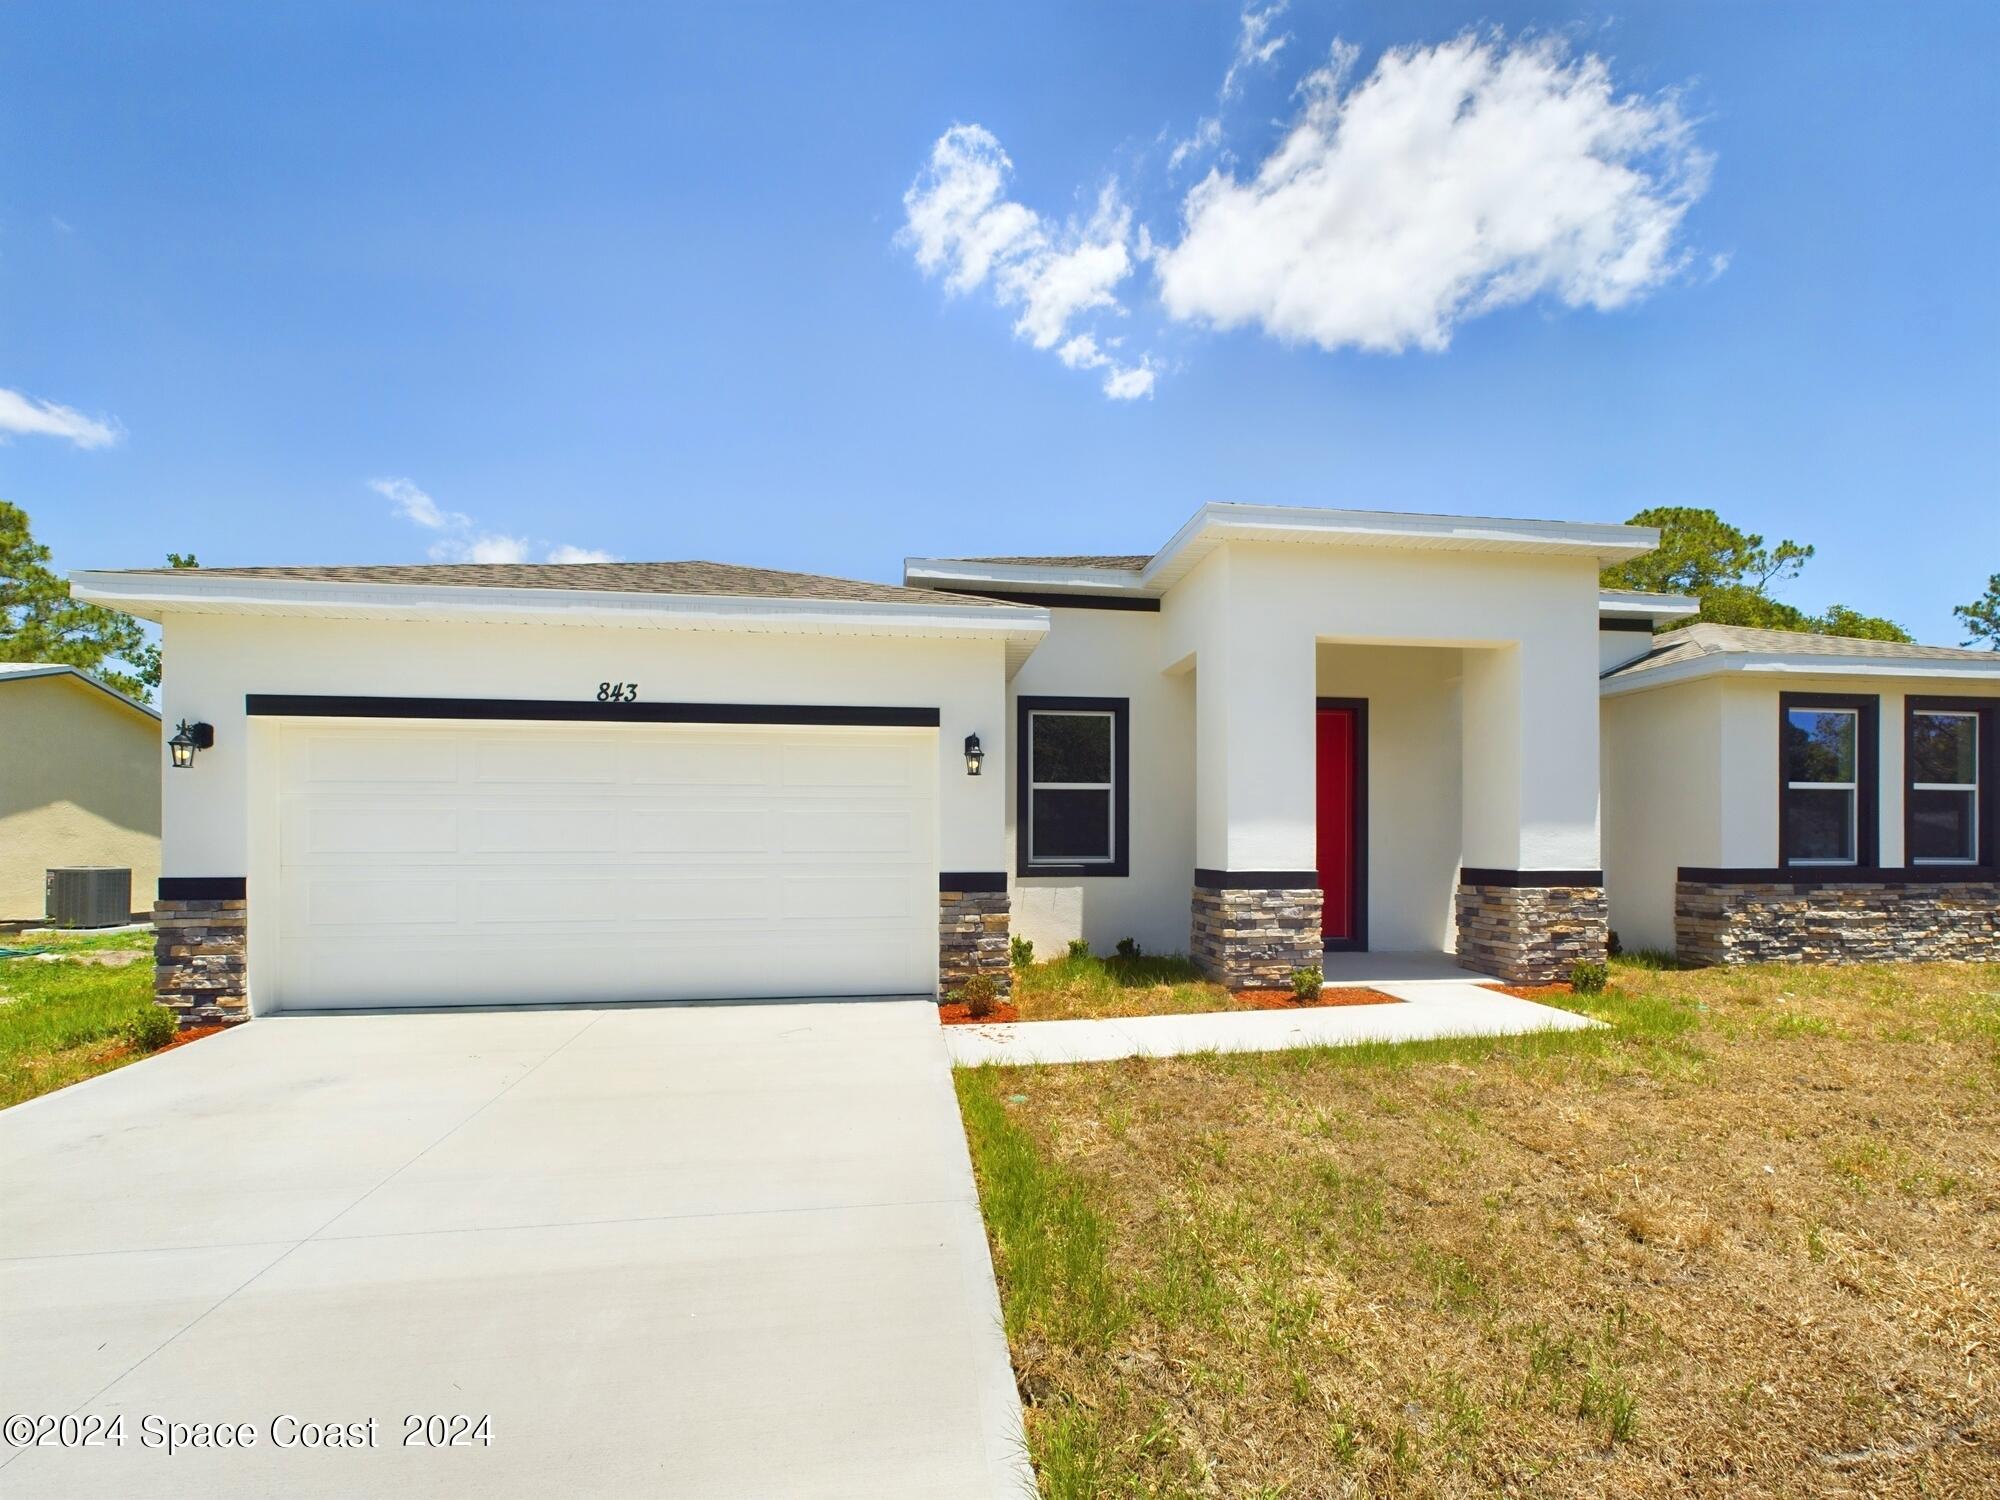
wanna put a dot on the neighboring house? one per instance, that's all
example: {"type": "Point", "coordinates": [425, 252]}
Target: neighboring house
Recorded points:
{"type": "Point", "coordinates": [1770, 795]}
{"type": "Point", "coordinates": [79, 784]}
{"type": "Point", "coordinates": [1285, 731]}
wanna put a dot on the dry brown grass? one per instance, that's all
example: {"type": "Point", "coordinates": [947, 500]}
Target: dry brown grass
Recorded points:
{"type": "Point", "coordinates": [1088, 988]}
{"type": "Point", "coordinates": [1747, 1243]}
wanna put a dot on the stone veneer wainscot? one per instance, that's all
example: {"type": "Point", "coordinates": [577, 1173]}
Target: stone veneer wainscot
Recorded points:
{"type": "Point", "coordinates": [973, 933]}
{"type": "Point", "coordinates": [199, 959]}
{"type": "Point", "coordinates": [1247, 936]}
{"type": "Point", "coordinates": [1756, 918]}
{"type": "Point", "coordinates": [1530, 934]}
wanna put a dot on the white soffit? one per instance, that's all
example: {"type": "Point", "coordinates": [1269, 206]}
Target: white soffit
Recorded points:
{"type": "Point", "coordinates": [1225, 521]}
{"type": "Point", "coordinates": [1620, 681]}
{"type": "Point", "coordinates": [1635, 604]}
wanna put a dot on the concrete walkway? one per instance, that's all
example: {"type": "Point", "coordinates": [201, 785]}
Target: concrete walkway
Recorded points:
{"type": "Point", "coordinates": [1438, 1000]}
{"type": "Point", "coordinates": [703, 1251]}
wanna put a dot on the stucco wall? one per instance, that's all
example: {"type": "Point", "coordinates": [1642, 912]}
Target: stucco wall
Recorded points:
{"type": "Point", "coordinates": [215, 660]}
{"type": "Point", "coordinates": [1662, 803]}
{"type": "Point", "coordinates": [1256, 611]}
{"type": "Point", "coordinates": [1616, 647]}
{"type": "Point", "coordinates": [1116, 654]}
{"type": "Point", "coordinates": [1413, 785]}
{"type": "Point", "coordinates": [1691, 778]}
{"type": "Point", "coordinates": [79, 785]}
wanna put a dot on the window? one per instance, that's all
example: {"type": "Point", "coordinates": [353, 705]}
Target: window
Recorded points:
{"type": "Point", "coordinates": [1945, 821]}
{"type": "Point", "coordinates": [1074, 797]}
{"type": "Point", "coordinates": [1827, 747]}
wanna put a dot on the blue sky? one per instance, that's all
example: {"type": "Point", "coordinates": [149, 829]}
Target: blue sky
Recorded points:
{"type": "Point", "coordinates": [644, 282]}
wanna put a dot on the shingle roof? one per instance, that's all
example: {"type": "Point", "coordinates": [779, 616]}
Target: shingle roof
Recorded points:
{"type": "Point", "coordinates": [1693, 642]}
{"type": "Point", "coordinates": [724, 580]}
{"type": "Point", "coordinates": [1124, 562]}
{"type": "Point", "coordinates": [20, 671]}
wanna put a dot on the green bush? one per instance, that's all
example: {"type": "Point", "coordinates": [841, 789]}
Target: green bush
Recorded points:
{"type": "Point", "coordinates": [1128, 948]}
{"type": "Point", "coordinates": [151, 1028]}
{"type": "Point", "coordinates": [979, 994]}
{"type": "Point", "coordinates": [1021, 951]}
{"type": "Point", "coordinates": [1306, 981]}
{"type": "Point", "coordinates": [1078, 948]}
{"type": "Point", "coordinates": [1587, 976]}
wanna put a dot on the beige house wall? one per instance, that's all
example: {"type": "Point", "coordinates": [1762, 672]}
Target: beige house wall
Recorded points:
{"type": "Point", "coordinates": [79, 785]}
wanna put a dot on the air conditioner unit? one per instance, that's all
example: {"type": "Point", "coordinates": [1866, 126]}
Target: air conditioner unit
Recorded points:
{"type": "Point", "coordinates": [92, 896]}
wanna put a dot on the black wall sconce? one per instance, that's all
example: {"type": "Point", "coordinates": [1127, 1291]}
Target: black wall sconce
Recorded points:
{"type": "Point", "coordinates": [187, 739]}
{"type": "Point", "coordinates": [973, 755]}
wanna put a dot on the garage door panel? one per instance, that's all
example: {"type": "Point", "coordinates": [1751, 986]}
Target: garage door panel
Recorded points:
{"type": "Point", "coordinates": [546, 762]}
{"type": "Point", "coordinates": [703, 830]}
{"type": "Point", "coordinates": [555, 831]}
{"type": "Point", "coordinates": [505, 864]}
{"type": "Point", "coordinates": [816, 828]}
{"type": "Point", "coordinates": [345, 827]}
{"type": "Point", "coordinates": [732, 762]}
{"type": "Point", "coordinates": [835, 765]}
{"type": "Point", "coordinates": [380, 901]}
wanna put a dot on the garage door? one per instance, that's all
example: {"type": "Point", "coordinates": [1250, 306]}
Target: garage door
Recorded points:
{"type": "Point", "coordinates": [488, 864]}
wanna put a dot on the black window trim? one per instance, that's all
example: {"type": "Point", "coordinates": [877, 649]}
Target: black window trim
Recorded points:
{"type": "Point", "coordinates": [1987, 828]}
{"type": "Point", "coordinates": [1867, 711]}
{"type": "Point", "coordinates": [1120, 710]}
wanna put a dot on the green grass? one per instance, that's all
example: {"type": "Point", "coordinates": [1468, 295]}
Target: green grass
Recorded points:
{"type": "Point", "coordinates": [62, 1022]}
{"type": "Point", "coordinates": [1084, 986]}
{"type": "Point", "coordinates": [1555, 1264]}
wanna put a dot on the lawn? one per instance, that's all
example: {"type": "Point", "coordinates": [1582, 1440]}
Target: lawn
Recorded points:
{"type": "Point", "coordinates": [87, 1013]}
{"type": "Point", "coordinates": [1745, 1241]}
{"type": "Point", "coordinates": [1079, 986]}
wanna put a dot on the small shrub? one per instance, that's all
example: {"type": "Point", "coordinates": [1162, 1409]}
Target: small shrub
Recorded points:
{"type": "Point", "coordinates": [1586, 977]}
{"type": "Point", "coordinates": [979, 994]}
{"type": "Point", "coordinates": [151, 1028]}
{"type": "Point", "coordinates": [1021, 951]}
{"type": "Point", "coordinates": [1306, 981]}
{"type": "Point", "coordinates": [1613, 947]}
{"type": "Point", "coordinates": [1128, 948]}
{"type": "Point", "coordinates": [1078, 948]}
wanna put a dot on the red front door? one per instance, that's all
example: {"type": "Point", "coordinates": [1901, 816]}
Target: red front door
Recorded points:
{"type": "Point", "coordinates": [1340, 752]}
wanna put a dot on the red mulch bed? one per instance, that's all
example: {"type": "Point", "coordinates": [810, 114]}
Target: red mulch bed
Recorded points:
{"type": "Point", "coordinates": [956, 1014]}
{"type": "Point", "coordinates": [192, 1034]}
{"type": "Point", "coordinates": [1286, 1000]}
{"type": "Point", "coordinates": [1531, 991]}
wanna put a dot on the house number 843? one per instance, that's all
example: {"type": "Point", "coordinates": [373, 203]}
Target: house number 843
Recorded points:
{"type": "Point", "coordinates": [618, 692]}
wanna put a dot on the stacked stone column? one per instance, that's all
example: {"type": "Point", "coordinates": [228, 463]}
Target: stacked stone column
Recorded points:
{"type": "Point", "coordinates": [1253, 937]}
{"type": "Point", "coordinates": [973, 935]}
{"type": "Point", "coordinates": [1530, 934]}
{"type": "Point", "coordinates": [199, 948]}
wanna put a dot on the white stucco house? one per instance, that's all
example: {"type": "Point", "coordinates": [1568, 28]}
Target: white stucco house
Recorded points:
{"type": "Point", "coordinates": [1284, 731]}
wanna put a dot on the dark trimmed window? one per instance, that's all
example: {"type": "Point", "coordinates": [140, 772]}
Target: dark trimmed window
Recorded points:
{"type": "Point", "coordinates": [1948, 760]}
{"type": "Point", "coordinates": [1826, 750]}
{"type": "Point", "coordinates": [1074, 789]}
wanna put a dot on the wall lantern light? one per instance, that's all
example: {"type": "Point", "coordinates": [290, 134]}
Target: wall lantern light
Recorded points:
{"type": "Point", "coordinates": [187, 739]}
{"type": "Point", "coordinates": [973, 755]}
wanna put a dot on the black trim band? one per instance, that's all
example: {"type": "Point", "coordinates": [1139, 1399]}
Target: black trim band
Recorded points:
{"type": "Point", "coordinates": [1530, 880]}
{"type": "Point", "coordinates": [319, 706]}
{"type": "Point", "coordinates": [204, 888]}
{"type": "Point", "coordinates": [1257, 880]}
{"type": "Point", "coordinates": [1632, 625]}
{"type": "Point", "coordinates": [968, 881]}
{"type": "Point", "coordinates": [1067, 601]}
{"type": "Point", "coordinates": [1841, 875]}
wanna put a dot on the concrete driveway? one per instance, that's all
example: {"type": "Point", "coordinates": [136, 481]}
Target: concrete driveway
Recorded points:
{"type": "Point", "coordinates": [724, 1250]}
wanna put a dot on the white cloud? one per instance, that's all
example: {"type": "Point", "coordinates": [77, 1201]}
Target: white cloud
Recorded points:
{"type": "Point", "coordinates": [24, 416]}
{"type": "Point", "coordinates": [1255, 46]}
{"type": "Point", "coordinates": [1121, 382]}
{"type": "Point", "coordinates": [959, 224]}
{"type": "Point", "coordinates": [461, 540]}
{"type": "Point", "coordinates": [1454, 180]}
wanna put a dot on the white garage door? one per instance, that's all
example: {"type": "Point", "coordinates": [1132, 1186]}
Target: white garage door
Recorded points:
{"type": "Point", "coordinates": [488, 864]}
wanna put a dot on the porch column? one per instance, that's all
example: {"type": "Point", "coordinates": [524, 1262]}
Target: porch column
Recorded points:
{"type": "Point", "coordinates": [1256, 908]}
{"type": "Point", "coordinates": [1531, 891]}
